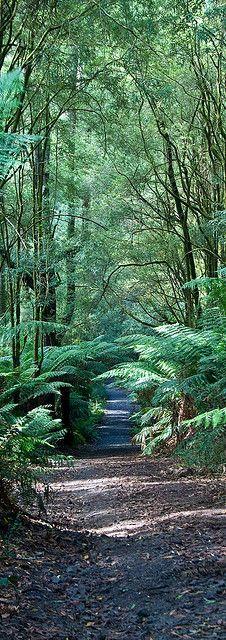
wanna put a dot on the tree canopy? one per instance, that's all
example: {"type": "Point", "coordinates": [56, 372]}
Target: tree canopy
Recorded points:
{"type": "Point", "coordinates": [112, 211]}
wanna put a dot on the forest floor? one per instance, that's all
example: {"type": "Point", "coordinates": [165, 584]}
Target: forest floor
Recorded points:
{"type": "Point", "coordinates": [136, 554]}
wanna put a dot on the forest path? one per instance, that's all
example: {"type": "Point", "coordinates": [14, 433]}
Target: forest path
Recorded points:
{"type": "Point", "coordinates": [114, 432]}
{"type": "Point", "coordinates": [136, 555]}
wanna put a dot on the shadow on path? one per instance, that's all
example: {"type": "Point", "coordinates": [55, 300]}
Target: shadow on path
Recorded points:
{"type": "Point", "coordinates": [114, 433]}
{"type": "Point", "coordinates": [138, 556]}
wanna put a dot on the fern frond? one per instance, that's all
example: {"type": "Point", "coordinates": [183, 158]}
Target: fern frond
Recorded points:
{"type": "Point", "coordinates": [209, 419]}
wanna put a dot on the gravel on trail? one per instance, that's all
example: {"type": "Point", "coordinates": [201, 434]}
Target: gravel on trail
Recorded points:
{"type": "Point", "coordinates": [136, 554]}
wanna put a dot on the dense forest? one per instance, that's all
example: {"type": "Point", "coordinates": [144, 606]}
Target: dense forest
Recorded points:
{"type": "Point", "coordinates": [112, 319]}
{"type": "Point", "coordinates": [112, 246]}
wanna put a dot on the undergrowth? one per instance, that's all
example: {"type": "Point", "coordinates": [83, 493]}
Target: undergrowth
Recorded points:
{"type": "Point", "coordinates": [179, 383]}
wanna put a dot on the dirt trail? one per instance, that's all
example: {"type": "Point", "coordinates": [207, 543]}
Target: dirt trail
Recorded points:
{"type": "Point", "coordinates": [138, 557]}
{"type": "Point", "coordinates": [114, 433]}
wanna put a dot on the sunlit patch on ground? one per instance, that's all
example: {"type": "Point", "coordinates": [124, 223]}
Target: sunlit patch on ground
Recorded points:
{"type": "Point", "coordinates": [136, 554]}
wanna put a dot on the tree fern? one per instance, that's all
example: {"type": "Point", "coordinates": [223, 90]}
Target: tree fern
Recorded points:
{"type": "Point", "coordinates": [180, 383]}
{"type": "Point", "coordinates": [206, 447]}
{"type": "Point", "coordinates": [23, 442]}
{"type": "Point", "coordinates": [210, 419]}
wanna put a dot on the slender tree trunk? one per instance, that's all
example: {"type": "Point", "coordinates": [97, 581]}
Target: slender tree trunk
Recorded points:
{"type": "Point", "coordinates": [191, 296]}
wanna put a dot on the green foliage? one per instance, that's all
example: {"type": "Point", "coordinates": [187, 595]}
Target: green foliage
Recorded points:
{"type": "Point", "coordinates": [27, 433]}
{"type": "Point", "coordinates": [24, 442]}
{"type": "Point", "coordinates": [12, 145]}
{"type": "Point", "coordinates": [180, 383]}
{"type": "Point", "coordinates": [85, 415]}
{"type": "Point", "coordinates": [113, 223]}
{"type": "Point", "coordinates": [11, 85]}
{"type": "Point", "coordinates": [206, 448]}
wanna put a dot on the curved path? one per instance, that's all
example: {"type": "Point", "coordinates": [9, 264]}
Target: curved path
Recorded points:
{"type": "Point", "coordinates": [136, 555]}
